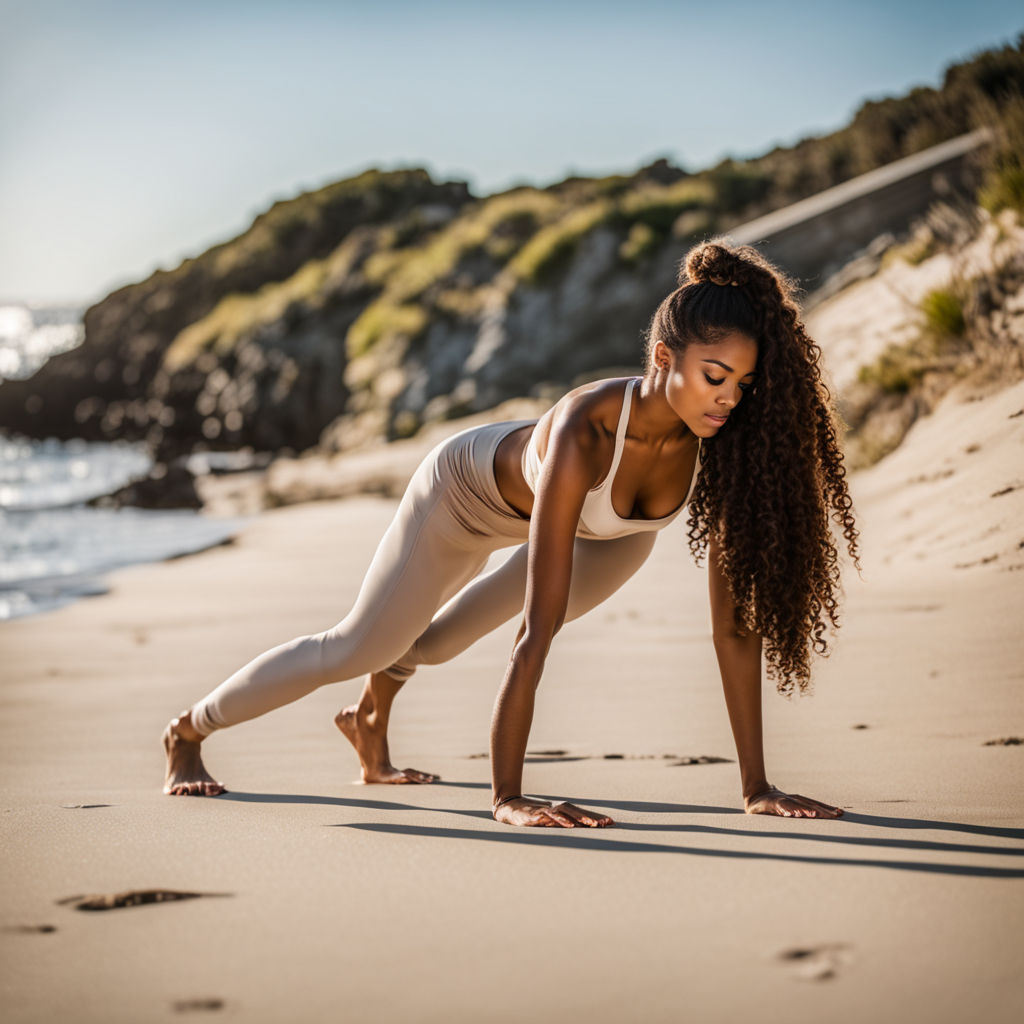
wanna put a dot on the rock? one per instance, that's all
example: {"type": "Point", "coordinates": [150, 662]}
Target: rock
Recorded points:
{"type": "Point", "coordinates": [166, 487]}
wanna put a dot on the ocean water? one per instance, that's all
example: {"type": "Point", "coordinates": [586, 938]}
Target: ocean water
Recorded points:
{"type": "Point", "coordinates": [29, 335]}
{"type": "Point", "coordinates": [53, 547]}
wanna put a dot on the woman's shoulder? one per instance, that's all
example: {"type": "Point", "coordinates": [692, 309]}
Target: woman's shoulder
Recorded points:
{"type": "Point", "coordinates": [589, 414]}
{"type": "Point", "coordinates": [598, 402]}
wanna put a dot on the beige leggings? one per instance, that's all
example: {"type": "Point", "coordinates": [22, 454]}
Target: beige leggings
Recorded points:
{"type": "Point", "coordinates": [450, 520]}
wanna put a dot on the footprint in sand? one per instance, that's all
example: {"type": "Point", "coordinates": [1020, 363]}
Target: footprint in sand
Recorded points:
{"type": "Point", "coordinates": [197, 1005]}
{"type": "Point", "coordinates": [684, 762]}
{"type": "Point", "coordinates": [31, 929]}
{"type": "Point", "coordinates": [987, 560]}
{"type": "Point", "coordinates": [132, 898]}
{"type": "Point", "coordinates": [817, 963]}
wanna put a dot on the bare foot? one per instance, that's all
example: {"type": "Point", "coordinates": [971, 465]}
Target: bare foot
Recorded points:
{"type": "Point", "coordinates": [186, 774]}
{"type": "Point", "coordinates": [371, 743]}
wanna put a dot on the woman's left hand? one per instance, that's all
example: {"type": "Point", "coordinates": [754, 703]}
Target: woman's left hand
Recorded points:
{"type": "Point", "coordinates": [789, 805]}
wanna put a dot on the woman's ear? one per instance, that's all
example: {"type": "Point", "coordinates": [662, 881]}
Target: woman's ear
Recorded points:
{"type": "Point", "coordinates": [662, 356]}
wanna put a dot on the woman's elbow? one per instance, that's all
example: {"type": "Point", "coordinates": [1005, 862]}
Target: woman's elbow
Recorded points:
{"type": "Point", "coordinates": [731, 637]}
{"type": "Point", "coordinates": [531, 650]}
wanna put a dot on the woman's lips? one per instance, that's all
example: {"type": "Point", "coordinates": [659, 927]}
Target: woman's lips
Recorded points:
{"type": "Point", "coordinates": [717, 420]}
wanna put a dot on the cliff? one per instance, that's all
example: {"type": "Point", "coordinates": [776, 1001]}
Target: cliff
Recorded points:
{"type": "Point", "coordinates": [387, 301]}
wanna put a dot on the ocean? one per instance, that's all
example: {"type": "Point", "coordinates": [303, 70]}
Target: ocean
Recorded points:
{"type": "Point", "coordinates": [54, 548]}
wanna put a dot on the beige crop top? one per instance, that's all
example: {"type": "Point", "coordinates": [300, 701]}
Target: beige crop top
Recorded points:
{"type": "Point", "coordinates": [599, 519]}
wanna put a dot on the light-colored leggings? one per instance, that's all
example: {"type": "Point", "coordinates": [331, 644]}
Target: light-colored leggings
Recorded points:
{"type": "Point", "coordinates": [450, 520]}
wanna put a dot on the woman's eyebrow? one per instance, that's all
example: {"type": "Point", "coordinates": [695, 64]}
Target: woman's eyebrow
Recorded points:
{"type": "Point", "coordinates": [726, 366]}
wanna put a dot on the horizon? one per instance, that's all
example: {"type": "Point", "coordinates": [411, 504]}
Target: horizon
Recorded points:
{"type": "Point", "coordinates": [137, 136]}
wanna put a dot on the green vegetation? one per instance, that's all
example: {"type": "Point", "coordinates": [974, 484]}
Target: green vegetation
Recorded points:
{"type": "Point", "coordinates": [659, 206]}
{"type": "Point", "coordinates": [900, 367]}
{"type": "Point", "coordinates": [641, 241]}
{"type": "Point", "coordinates": [896, 371]}
{"type": "Point", "coordinates": [915, 251]}
{"type": "Point", "coordinates": [943, 310]}
{"type": "Point", "coordinates": [973, 94]}
{"type": "Point", "coordinates": [380, 320]}
{"type": "Point", "coordinates": [236, 315]}
{"type": "Point", "coordinates": [491, 229]}
{"type": "Point", "coordinates": [1003, 187]}
{"type": "Point", "coordinates": [422, 266]}
{"type": "Point", "coordinates": [551, 248]}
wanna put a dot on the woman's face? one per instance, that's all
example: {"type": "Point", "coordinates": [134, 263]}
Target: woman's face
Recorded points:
{"type": "Point", "coordinates": [705, 383]}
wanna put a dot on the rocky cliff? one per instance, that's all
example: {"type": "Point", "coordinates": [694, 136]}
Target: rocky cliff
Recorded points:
{"type": "Point", "coordinates": [387, 301]}
{"type": "Point", "coordinates": [120, 384]}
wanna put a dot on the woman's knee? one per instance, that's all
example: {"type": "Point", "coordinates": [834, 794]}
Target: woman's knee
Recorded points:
{"type": "Point", "coordinates": [338, 655]}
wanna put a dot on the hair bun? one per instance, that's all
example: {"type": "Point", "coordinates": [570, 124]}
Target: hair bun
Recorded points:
{"type": "Point", "coordinates": [715, 263]}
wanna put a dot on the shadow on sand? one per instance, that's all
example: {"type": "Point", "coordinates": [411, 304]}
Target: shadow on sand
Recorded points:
{"type": "Point", "coordinates": [604, 839]}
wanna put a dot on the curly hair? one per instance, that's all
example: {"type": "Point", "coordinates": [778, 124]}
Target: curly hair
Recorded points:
{"type": "Point", "coordinates": [774, 477]}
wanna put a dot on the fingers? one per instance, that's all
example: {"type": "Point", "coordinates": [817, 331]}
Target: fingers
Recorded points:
{"type": "Point", "coordinates": [568, 815]}
{"type": "Point", "coordinates": [815, 808]}
{"type": "Point", "coordinates": [792, 805]}
{"type": "Point", "coordinates": [196, 789]}
{"type": "Point", "coordinates": [797, 806]}
{"type": "Point", "coordinates": [590, 819]}
{"type": "Point", "coordinates": [543, 815]}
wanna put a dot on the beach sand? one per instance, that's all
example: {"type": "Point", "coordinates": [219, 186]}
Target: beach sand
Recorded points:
{"type": "Point", "coordinates": [328, 900]}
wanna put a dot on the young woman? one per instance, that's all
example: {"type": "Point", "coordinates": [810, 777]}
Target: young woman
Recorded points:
{"type": "Point", "coordinates": [730, 418]}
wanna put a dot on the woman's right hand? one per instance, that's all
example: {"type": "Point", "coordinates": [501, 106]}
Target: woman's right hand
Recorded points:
{"type": "Point", "coordinates": [524, 810]}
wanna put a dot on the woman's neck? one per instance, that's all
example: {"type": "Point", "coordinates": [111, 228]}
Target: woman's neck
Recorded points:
{"type": "Point", "coordinates": [653, 420]}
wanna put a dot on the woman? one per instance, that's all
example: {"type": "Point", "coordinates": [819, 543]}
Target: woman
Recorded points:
{"type": "Point", "coordinates": [730, 418]}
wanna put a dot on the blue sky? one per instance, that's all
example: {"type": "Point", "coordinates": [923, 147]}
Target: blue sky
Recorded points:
{"type": "Point", "coordinates": [135, 133]}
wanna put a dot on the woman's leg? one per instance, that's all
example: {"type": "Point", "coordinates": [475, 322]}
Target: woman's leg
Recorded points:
{"type": "Point", "coordinates": [599, 568]}
{"type": "Point", "coordinates": [441, 536]}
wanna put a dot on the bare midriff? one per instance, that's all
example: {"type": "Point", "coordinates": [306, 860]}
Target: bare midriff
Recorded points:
{"type": "Point", "coordinates": [508, 471]}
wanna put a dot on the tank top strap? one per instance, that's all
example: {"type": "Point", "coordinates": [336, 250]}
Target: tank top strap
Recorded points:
{"type": "Point", "coordinates": [620, 434]}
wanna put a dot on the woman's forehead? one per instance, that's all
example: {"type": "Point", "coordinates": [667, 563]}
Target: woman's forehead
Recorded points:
{"type": "Point", "coordinates": [733, 352]}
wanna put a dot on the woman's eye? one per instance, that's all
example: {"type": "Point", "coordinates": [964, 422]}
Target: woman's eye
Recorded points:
{"type": "Point", "coordinates": [746, 387]}
{"type": "Point", "coordinates": [711, 380]}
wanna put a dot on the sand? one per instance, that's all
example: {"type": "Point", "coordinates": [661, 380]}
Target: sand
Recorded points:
{"type": "Point", "coordinates": [327, 900]}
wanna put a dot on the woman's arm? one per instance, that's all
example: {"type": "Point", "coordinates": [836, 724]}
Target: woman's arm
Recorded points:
{"type": "Point", "coordinates": [568, 473]}
{"type": "Point", "coordinates": [739, 661]}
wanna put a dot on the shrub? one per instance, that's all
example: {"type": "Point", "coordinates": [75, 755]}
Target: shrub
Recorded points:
{"type": "Point", "coordinates": [943, 312]}
{"type": "Point", "coordinates": [641, 241]}
{"type": "Point", "coordinates": [237, 315]}
{"type": "Point", "coordinates": [552, 246]}
{"type": "Point", "coordinates": [658, 207]}
{"type": "Point", "coordinates": [382, 319]}
{"type": "Point", "coordinates": [895, 371]}
{"type": "Point", "coordinates": [1003, 186]}
{"type": "Point", "coordinates": [737, 186]}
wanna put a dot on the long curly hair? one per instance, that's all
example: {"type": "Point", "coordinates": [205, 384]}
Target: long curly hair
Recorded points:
{"type": "Point", "coordinates": [771, 479]}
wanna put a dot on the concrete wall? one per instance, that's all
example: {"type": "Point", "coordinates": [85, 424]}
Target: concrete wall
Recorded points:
{"type": "Point", "coordinates": [815, 237]}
